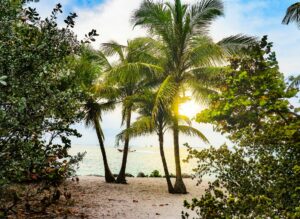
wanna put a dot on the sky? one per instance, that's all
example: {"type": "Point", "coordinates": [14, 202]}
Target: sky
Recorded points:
{"type": "Point", "coordinates": [111, 20]}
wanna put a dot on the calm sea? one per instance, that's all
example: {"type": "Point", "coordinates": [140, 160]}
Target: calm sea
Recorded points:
{"type": "Point", "coordinates": [144, 159]}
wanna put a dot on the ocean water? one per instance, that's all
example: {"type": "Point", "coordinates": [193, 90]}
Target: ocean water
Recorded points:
{"type": "Point", "coordinates": [144, 159]}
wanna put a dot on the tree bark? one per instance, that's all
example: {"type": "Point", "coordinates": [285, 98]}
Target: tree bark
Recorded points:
{"type": "Point", "coordinates": [109, 178]}
{"type": "Point", "coordinates": [122, 174]}
{"type": "Point", "coordinates": [163, 158]}
{"type": "Point", "coordinates": [179, 186]}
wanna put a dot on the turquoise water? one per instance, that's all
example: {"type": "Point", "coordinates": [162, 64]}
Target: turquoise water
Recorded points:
{"type": "Point", "coordinates": [144, 159]}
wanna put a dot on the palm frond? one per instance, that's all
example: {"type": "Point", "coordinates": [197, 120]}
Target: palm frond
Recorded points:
{"type": "Point", "coordinates": [207, 76]}
{"type": "Point", "coordinates": [141, 127]}
{"type": "Point", "coordinates": [92, 110]}
{"type": "Point", "coordinates": [165, 94]}
{"type": "Point", "coordinates": [103, 90]}
{"type": "Point", "coordinates": [156, 17]}
{"type": "Point", "coordinates": [233, 45]}
{"type": "Point", "coordinates": [203, 13]}
{"type": "Point", "coordinates": [113, 48]}
{"type": "Point", "coordinates": [103, 61]}
{"type": "Point", "coordinates": [203, 52]}
{"type": "Point", "coordinates": [107, 106]}
{"type": "Point", "coordinates": [295, 82]}
{"type": "Point", "coordinates": [132, 72]}
{"type": "Point", "coordinates": [183, 118]}
{"type": "Point", "coordinates": [292, 14]}
{"type": "Point", "coordinates": [144, 49]}
{"type": "Point", "coordinates": [190, 131]}
{"type": "Point", "coordinates": [200, 91]}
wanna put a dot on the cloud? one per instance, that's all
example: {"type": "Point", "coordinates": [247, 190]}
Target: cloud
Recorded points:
{"type": "Point", "coordinates": [259, 18]}
{"type": "Point", "coordinates": [111, 19]}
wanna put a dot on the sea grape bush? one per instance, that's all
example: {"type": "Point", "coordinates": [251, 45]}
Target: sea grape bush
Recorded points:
{"type": "Point", "coordinates": [39, 98]}
{"type": "Point", "coordinates": [259, 177]}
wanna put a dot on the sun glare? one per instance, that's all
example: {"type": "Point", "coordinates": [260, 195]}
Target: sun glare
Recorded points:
{"type": "Point", "coordinates": [190, 109]}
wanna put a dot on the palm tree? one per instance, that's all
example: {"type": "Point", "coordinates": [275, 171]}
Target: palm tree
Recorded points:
{"type": "Point", "coordinates": [87, 68]}
{"type": "Point", "coordinates": [292, 14]}
{"type": "Point", "coordinates": [130, 76]}
{"type": "Point", "coordinates": [93, 113]}
{"type": "Point", "coordinates": [161, 123]}
{"type": "Point", "coordinates": [295, 82]}
{"type": "Point", "coordinates": [189, 51]}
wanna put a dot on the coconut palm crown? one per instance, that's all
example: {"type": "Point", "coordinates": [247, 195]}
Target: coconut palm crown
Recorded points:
{"type": "Point", "coordinates": [147, 124]}
{"type": "Point", "coordinates": [88, 67]}
{"type": "Point", "coordinates": [292, 14]}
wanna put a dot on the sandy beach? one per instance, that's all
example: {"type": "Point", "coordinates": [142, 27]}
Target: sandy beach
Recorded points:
{"type": "Point", "coordinates": [140, 198]}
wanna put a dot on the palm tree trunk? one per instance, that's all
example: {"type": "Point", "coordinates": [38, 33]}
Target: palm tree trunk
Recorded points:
{"type": "Point", "coordinates": [122, 174]}
{"type": "Point", "coordinates": [163, 158]}
{"type": "Point", "coordinates": [179, 186]}
{"type": "Point", "coordinates": [109, 178]}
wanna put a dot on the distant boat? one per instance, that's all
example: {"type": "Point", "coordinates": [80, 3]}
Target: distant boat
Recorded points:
{"type": "Point", "coordinates": [121, 150]}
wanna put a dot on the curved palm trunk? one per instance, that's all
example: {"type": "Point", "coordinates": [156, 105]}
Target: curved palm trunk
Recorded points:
{"type": "Point", "coordinates": [179, 186]}
{"type": "Point", "coordinates": [121, 177]}
{"type": "Point", "coordinates": [109, 178]}
{"type": "Point", "coordinates": [163, 158]}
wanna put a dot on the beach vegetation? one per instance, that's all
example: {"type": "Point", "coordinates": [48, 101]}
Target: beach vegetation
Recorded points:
{"type": "Point", "coordinates": [132, 75]}
{"type": "Point", "coordinates": [39, 103]}
{"type": "Point", "coordinates": [259, 176]}
{"type": "Point", "coordinates": [50, 82]}
{"type": "Point", "coordinates": [155, 173]}
{"type": "Point", "coordinates": [88, 68]}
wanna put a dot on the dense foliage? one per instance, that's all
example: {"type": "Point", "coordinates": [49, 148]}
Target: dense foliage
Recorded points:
{"type": "Point", "coordinates": [39, 99]}
{"type": "Point", "coordinates": [259, 177]}
{"type": "Point", "coordinates": [49, 80]}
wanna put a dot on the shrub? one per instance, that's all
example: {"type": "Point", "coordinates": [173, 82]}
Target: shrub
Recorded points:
{"type": "Point", "coordinates": [141, 174]}
{"type": "Point", "coordinates": [155, 173]}
{"type": "Point", "coordinates": [259, 177]}
{"type": "Point", "coordinates": [39, 101]}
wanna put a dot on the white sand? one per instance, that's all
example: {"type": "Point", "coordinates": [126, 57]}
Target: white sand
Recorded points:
{"type": "Point", "coordinates": [140, 198]}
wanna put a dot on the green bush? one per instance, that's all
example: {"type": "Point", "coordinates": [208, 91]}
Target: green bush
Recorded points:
{"type": "Point", "coordinates": [155, 173]}
{"type": "Point", "coordinates": [259, 177]}
{"type": "Point", "coordinates": [39, 99]}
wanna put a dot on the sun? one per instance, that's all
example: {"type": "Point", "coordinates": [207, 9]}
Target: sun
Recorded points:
{"type": "Point", "coordinates": [190, 108]}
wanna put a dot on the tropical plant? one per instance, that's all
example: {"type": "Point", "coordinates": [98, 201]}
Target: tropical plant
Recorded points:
{"type": "Point", "coordinates": [292, 14]}
{"type": "Point", "coordinates": [161, 123]}
{"type": "Point", "coordinates": [88, 68]}
{"type": "Point", "coordinates": [155, 173]}
{"type": "Point", "coordinates": [93, 114]}
{"type": "Point", "coordinates": [259, 176]}
{"type": "Point", "coordinates": [40, 101]}
{"type": "Point", "coordinates": [295, 81]}
{"type": "Point", "coordinates": [133, 73]}
{"type": "Point", "coordinates": [188, 50]}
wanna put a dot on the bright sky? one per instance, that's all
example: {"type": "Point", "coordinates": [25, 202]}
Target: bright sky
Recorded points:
{"type": "Point", "coordinates": [111, 19]}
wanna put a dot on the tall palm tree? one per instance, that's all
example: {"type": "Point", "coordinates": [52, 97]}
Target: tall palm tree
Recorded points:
{"type": "Point", "coordinates": [183, 30]}
{"type": "Point", "coordinates": [292, 14]}
{"type": "Point", "coordinates": [130, 76]}
{"type": "Point", "coordinates": [161, 123]}
{"type": "Point", "coordinates": [93, 114]}
{"type": "Point", "coordinates": [88, 67]}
